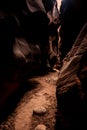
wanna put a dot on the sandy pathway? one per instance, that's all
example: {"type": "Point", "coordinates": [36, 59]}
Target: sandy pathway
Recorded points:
{"type": "Point", "coordinates": [42, 96]}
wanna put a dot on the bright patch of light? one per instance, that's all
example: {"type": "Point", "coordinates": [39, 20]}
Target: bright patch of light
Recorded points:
{"type": "Point", "coordinates": [59, 4]}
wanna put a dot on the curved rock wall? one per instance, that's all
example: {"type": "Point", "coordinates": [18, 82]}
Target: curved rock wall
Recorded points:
{"type": "Point", "coordinates": [72, 86]}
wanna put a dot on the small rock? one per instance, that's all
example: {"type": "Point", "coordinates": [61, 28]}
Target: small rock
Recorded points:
{"type": "Point", "coordinates": [39, 110]}
{"type": "Point", "coordinates": [6, 127]}
{"type": "Point", "coordinates": [40, 127]}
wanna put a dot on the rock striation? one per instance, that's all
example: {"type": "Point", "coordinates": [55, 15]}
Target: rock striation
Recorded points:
{"type": "Point", "coordinates": [72, 86]}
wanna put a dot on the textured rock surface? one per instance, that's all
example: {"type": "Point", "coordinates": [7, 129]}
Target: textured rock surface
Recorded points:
{"type": "Point", "coordinates": [71, 86]}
